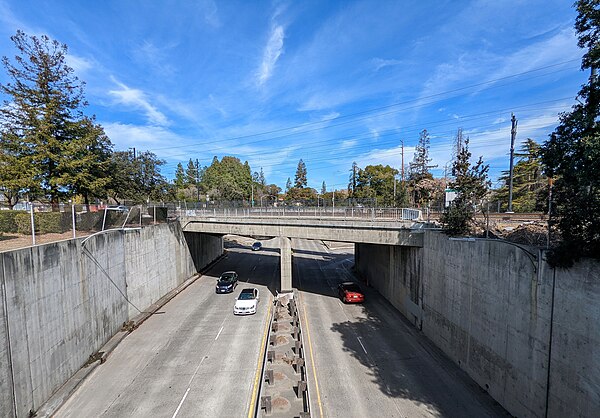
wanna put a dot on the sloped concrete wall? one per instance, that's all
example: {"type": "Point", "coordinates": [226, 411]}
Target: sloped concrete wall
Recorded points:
{"type": "Point", "coordinates": [489, 306]}
{"type": "Point", "coordinates": [63, 301]}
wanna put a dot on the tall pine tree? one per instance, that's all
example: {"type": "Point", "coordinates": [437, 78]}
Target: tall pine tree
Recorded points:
{"type": "Point", "coordinates": [300, 180]}
{"type": "Point", "coordinates": [42, 122]}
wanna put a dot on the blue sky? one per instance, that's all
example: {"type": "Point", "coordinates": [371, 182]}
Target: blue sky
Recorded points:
{"type": "Point", "coordinates": [330, 82]}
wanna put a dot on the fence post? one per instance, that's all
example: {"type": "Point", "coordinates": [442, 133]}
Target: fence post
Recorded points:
{"type": "Point", "coordinates": [73, 216]}
{"type": "Point", "coordinates": [154, 207]}
{"type": "Point", "coordinates": [32, 225]}
{"type": "Point", "coordinates": [104, 218]}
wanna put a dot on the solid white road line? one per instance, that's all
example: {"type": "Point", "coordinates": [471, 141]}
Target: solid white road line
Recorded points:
{"type": "Point", "coordinates": [219, 333]}
{"type": "Point", "coordinates": [361, 344]}
{"type": "Point", "coordinates": [188, 388]}
{"type": "Point", "coordinates": [181, 402]}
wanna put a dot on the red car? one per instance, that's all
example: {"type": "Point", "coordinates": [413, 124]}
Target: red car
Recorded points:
{"type": "Point", "coordinates": [350, 293]}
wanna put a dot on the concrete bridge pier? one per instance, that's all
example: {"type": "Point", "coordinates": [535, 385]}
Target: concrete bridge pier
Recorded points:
{"type": "Point", "coordinates": [285, 247]}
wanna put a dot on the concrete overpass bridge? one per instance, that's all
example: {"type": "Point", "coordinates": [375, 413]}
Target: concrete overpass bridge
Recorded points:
{"type": "Point", "coordinates": [395, 232]}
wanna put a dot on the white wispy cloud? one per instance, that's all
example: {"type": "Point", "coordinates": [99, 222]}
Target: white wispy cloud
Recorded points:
{"type": "Point", "coordinates": [210, 11]}
{"type": "Point", "coordinates": [349, 143]}
{"type": "Point", "coordinates": [156, 57]}
{"type": "Point", "coordinates": [386, 156]}
{"type": "Point", "coordinates": [380, 63]}
{"type": "Point", "coordinates": [124, 136]}
{"type": "Point", "coordinates": [137, 99]}
{"type": "Point", "coordinates": [330, 116]}
{"type": "Point", "coordinates": [558, 48]}
{"type": "Point", "coordinates": [487, 68]}
{"type": "Point", "coordinates": [80, 64]}
{"type": "Point", "coordinates": [271, 54]}
{"type": "Point", "coordinates": [495, 143]}
{"type": "Point", "coordinates": [11, 22]}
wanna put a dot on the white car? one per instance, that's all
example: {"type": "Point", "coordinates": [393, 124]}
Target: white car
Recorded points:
{"type": "Point", "coordinates": [247, 302]}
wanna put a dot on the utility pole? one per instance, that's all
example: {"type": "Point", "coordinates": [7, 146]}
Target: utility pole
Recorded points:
{"type": "Point", "coordinates": [353, 179]}
{"type": "Point", "coordinates": [198, 179]}
{"type": "Point", "coordinates": [402, 167]}
{"type": "Point", "coordinates": [550, 182]}
{"type": "Point", "coordinates": [513, 135]}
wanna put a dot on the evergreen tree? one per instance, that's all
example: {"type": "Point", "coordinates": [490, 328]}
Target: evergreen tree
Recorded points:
{"type": "Point", "coordinates": [137, 179]}
{"type": "Point", "coordinates": [288, 185]}
{"type": "Point", "coordinates": [261, 178]}
{"type": "Point", "coordinates": [471, 184]}
{"type": "Point", "coordinates": [17, 173]}
{"type": "Point", "coordinates": [419, 171]}
{"type": "Point", "coordinates": [323, 188]}
{"type": "Point", "coordinates": [86, 165]}
{"type": "Point", "coordinates": [419, 167]}
{"type": "Point", "coordinates": [152, 184]}
{"type": "Point", "coordinates": [191, 173]}
{"type": "Point", "coordinates": [529, 183]}
{"type": "Point", "coordinates": [300, 178]}
{"type": "Point", "coordinates": [179, 176]}
{"type": "Point", "coordinates": [572, 155]}
{"type": "Point", "coordinates": [42, 123]}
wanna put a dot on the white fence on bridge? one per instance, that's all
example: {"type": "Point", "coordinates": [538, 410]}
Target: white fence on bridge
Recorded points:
{"type": "Point", "coordinates": [379, 214]}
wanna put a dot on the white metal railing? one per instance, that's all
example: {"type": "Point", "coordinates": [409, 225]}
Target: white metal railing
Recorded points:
{"type": "Point", "coordinates": [380, 214]}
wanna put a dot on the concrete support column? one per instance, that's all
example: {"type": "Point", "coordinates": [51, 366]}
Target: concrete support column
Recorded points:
{"type": "Point", "coordinates": [285, 245]}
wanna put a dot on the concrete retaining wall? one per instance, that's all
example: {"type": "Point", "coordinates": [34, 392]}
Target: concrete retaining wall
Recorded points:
{"type": "Point", "coordinates": [575, 363]}
{"type": "Point", "coordinates": [488, 306]}
{"type": "Point", "coordinates": [61, 302]}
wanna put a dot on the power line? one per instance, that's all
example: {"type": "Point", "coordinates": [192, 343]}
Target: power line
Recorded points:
{"type": "Point", "coordinates": [351, 115]}
{"type": "Point", "coordinates": [394, 131]}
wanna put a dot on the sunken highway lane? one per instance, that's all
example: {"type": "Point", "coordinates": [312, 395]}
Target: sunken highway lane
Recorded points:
{"type": "Point", "coordinates": [367, 359]}
{"type": "Point", "coordinates": [194, 358]}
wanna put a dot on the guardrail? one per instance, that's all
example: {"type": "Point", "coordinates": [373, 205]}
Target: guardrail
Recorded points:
{"type": "Point", "coordinates": [386, 214]}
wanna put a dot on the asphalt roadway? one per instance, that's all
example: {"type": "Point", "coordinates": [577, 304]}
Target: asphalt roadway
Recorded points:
{"type": "Point", "coordinates": [196, 359]}
{"type": "Point", "coordinates": [367, 359]}
{"type": "Point", "coordinates": [192, 359]}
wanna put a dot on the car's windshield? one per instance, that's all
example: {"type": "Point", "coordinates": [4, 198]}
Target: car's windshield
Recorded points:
{"type": "Point", "coordinates": [226, 278]}
{"type": "Point", "coordinates": [352, 288]}
{"type": "Point", "coordinates": [246, 296]}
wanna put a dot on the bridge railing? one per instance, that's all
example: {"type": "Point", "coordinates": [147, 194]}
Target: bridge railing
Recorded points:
{"type": "Point", "coordinates": [380, 214]}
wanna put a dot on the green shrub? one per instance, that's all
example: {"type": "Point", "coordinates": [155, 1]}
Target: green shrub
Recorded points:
{"type": "Point", "coordinates": [45, 222]}
{"type": "Point", "coordinates": [49, 222]}
{"type": "Point", "coordinates": [23, 222]}
{"type": "Point", "coordinates": [7, 220]}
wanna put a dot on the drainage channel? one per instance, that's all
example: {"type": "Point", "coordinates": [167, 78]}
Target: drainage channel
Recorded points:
{"type": "Point", "coordinates": [284, 386]}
